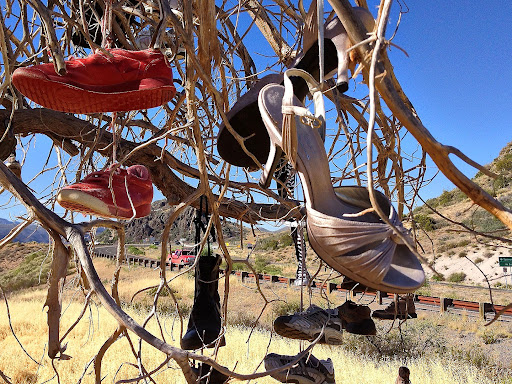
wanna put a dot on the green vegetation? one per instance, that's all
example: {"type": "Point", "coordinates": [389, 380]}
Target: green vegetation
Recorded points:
{"type": "Point", "coordinates": [262, 265]}
{"type": "Point", "coordinates": [483, 221]}
{"type": "Point", "coordinates": [32, 271]}
{"type": "Point", "coordinates": [132, 250]}
{"type": "Point", "coordinates": [425, 222]}
{"type": "Point", "coordinates": [457, 277]}
{"type": "Point", "coordinates": [438, 277]}
{"type": "Point", "coordinates": [504, 163]}
{"type": "Point", "coordinates": [273, 243]}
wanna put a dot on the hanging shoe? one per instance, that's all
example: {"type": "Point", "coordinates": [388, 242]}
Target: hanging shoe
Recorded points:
{"type": "Point", "coordinates": [244, 117]}
{"type": "Point", "coordinates": [309, 324]}
{"type": "Point", "coordinates": [356, 319]}
{"type": "Point", "coordinates": [404, 310]}
{"type": "Point", "coordinates": [14, 165]}
{"type": "Point", "coordinates": [363, 248]}
{"type": "Point", "coordinates": [92, 195]}
{"type": "Point", "coordinates": [308, 370]}
{"type": "Point", "coordinates": [205, 324]}
{"type": "Point", "coordinates": [208, 375]}
{"type": "Point", "coordinates": [124, 81]}
{"type": "Point", "coordinates": [336, 58]}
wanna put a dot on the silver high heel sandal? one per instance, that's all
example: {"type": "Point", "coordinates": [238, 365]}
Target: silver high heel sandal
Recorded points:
{"type": "Point", "coordinates": [361, 247]}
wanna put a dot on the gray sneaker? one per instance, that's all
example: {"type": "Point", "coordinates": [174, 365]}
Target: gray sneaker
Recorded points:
{"type": "Point", "coordinates": [308, 370]}
{"type": "Point", "coordinates": [308, 325]}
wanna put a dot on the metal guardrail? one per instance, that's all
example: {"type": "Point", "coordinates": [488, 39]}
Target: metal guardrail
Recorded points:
{"type": "Point", "coordinates": [351, 289]}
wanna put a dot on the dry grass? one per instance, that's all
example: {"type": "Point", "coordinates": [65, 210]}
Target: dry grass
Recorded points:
{"type": "Point", "coordinates": [30, 326]}
{"type": "Point", "coordinates": [356, 356]}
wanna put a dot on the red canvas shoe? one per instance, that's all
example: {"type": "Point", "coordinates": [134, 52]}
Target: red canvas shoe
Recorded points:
{"type": "Point", "coordinates": [127, 81]}
{"type": "Point", "coordinates": [92, 195]}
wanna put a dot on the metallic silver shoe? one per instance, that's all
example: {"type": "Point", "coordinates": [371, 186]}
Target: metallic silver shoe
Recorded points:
{"type": "Point", "coordinates": [356, 243]}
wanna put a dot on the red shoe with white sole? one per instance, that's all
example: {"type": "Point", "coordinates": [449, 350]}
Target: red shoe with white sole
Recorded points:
{"type": "Point", "coordinates": [125, 81]}
{"type": "Point", "coordinates": [92, 195]}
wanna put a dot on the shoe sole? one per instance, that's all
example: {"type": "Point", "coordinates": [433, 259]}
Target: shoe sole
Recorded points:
{"type": "Point", "coordinates": [286, 377]}
{"type": "Point", "coordinates": [330, 336]}
{"type": "Point", "coordinates": [67, 98]}
{"type": "Point", "coordinates": [74, 200]}
{"type": "Point", "coordinates": [392, 316]}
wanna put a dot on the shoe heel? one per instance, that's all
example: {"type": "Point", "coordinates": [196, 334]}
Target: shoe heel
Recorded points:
{"type": "Point", "coordinates": [271, 165]}
{"type": "Point", "coordinates": [336, 33]}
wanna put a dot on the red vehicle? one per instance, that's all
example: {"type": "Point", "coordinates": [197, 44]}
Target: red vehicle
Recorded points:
{"type": "Point", "coordinates": [182, 257]}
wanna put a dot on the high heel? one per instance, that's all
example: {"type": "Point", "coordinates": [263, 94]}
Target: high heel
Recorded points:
{"type": "Point", "coordinates": [245, 119]}
{"type": "Point", "coordinates": [360, 246]}
{"type": "Point", "coordinates": [337, 59]}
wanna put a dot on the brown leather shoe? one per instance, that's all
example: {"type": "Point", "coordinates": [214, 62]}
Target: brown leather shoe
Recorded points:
{"type": "Point", "coordinates": [356, 318]}
{"type": "Point", "coordinates": [405, 310]}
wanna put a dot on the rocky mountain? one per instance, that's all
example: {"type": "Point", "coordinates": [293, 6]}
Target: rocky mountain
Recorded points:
{"type": "Point", "coordinates": [150, 228]}
{"type": "Point", "coordinates": [31, 233]}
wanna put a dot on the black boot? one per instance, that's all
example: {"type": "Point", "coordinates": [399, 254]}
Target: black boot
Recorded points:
{"type": "Point", "coordinates": [204, 324]}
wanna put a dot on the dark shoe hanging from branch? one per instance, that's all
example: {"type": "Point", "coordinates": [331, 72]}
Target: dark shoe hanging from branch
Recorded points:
{"type": "Point", "coordinates": [205, 324]}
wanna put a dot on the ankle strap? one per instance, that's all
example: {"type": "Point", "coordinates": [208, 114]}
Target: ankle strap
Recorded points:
{"type": "Point", "coordinates": [314, 89]}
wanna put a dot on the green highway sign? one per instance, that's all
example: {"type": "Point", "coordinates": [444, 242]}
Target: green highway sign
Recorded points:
{"type": "Point", "coordinates": [505, 261]}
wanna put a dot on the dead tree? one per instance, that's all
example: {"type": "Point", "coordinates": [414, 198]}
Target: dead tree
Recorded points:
{"type": "Point", "coordinates": [177, 141]}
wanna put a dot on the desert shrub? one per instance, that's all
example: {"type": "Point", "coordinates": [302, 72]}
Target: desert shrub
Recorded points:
{"type": "Point", "coordinates": [410, 342]}
{"type": "Point", "coordinates": [504, 164]}
{"type": "Point", "coordinates": [262, 265]}
{"type": "Point", "coordinates": [269, 244]}
{"type": "Point", "coordinates": [489, 336]}
{"type": "Point", "coordinates": [281, 308]}
{"type": "Point", "coordinates": [478, 260]}
{"type": "Point", "coordinates": [483, 221]}
{"type": "Point", "coordinates": [450, 197]}
{"type": "Point", "coordinates": [131, 249]}
{"type": "Point", "coordinates": [438, 277]}
{"type": "Point", "coordinates": [285, 240]}
{"type": "Point", "coordinates": [240, 267]}
{"type": "Point", "coordinates": [32, 271]}
{"type": "Point", "coordinates": [164, 292]}
{"type": "Point", "coordinates": [425, 222]}
{"type": "Point", "coordinates": [501, 182]}
{"type": "Point", "coordinates": [462, 243]}
{"type": "Point", "coordinates": [451, 253]}
{"type": "Point", "coordinates": [488, 254]}
{"type": "Point", "coordinates": [463, 254]}
{"type": "Point", "coordinates": [457, 277]}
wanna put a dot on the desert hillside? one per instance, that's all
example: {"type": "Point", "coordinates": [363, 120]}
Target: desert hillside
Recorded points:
{"type": "Point", "coordinates": [463, 241]}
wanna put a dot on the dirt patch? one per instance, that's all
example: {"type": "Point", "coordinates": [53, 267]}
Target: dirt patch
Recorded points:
{"type": "Point", "coordinates": [13, 254]}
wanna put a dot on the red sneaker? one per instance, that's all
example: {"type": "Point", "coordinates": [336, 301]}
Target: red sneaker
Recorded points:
{"type": "Point", "coordinates": [127, 81]}
{"type": "Point", "coordinates": [92, 195]}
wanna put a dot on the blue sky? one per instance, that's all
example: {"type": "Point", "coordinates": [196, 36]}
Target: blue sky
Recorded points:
{"type": "Point", "coordinates": [458, 76]}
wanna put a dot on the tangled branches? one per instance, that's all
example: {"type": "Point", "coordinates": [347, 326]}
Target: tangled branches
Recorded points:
{"type": "Point", "coordinates": [223, 44]}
